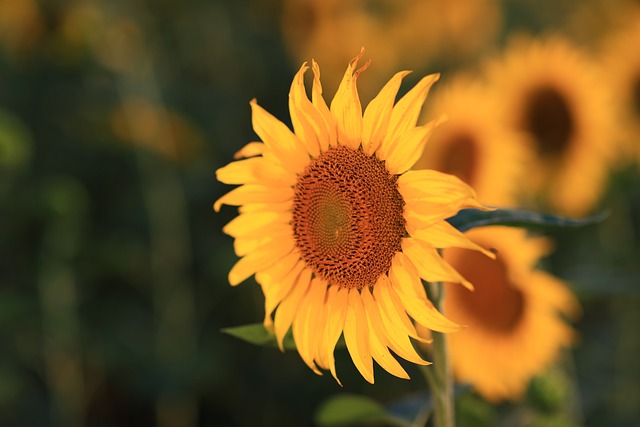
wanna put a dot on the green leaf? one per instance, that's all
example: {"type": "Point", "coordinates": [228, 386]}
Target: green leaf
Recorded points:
{"type": "Point", "coordinates": [256, 333]}
{"type": "Point", "coordinates": [467, 219]}
{"type": "Point", "coordinates": [349, 409]}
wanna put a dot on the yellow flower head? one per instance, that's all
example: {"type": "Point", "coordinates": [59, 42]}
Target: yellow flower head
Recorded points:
{"type": "Point", "coordinates": [336, 227]}
{"type": "Point", "coordinates": [514, 325]}
{"type": "Point", "coordinates": [622, 62]}
{"type": "Point", "coordinates": [475, 145]}
{"type": "Point", "coordinates": [554, 94]}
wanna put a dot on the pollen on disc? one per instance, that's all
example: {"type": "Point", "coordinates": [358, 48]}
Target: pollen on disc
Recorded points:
{"type": "Point", "coordinates": [348, 217]}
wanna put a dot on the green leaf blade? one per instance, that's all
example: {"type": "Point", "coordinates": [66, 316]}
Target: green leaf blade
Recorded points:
{"type": "Point", "coordinates": [467, 219]}
{"type": "Point", "coordinates": [349, 409]}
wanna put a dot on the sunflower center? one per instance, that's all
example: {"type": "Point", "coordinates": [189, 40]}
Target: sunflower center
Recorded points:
{"type": "Point", "coordinates": [348, 217]}
{"type": "Point", "coordinates": [548, 118]}
{"type": "Point", "coordinates": [460, 157]}
{"type": "Point", "coordinates": [496, 304]}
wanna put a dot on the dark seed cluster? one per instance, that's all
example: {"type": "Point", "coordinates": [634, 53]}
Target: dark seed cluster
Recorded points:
{"type": "Point", "coordinates": [348, 217]}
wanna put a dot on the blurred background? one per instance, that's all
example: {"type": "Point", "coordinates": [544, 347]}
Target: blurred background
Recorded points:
{"type": "Point", "coordinates": [114, 116]}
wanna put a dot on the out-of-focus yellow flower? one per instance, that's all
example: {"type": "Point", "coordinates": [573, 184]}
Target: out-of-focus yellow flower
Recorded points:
{"type": "Point", "coordinates": [555, 94]}
{"type": "Point", "coordinates": [336, 227]}
{"type": "Point", "coordinates": [21, 25]}
{"type": "Point", "coordinates": [475, 145]}
{"type": "Point", "coordinates": [401, 34]}
{"type": "Point", "coordinates": [153, 127]}
{"type": "Point", "coordinates": [622, 62]}
{"type": "Point", "coordinates": [514, 319]}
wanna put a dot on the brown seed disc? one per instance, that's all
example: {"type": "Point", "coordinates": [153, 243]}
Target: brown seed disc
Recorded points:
{"type": "Point", "coordinates": [497, 304]}
{"type": "Point", "coordinates": [348, 217]}
{"type": "Point", "coordinates": [548, 117]}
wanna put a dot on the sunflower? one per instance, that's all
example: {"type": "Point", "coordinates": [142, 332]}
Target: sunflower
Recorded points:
{"type": "Point", "coordinates": [336, 227]}
{"type": "Point", "coordinates": [474, 144]}
{"type": "Point", "coordinates": [554, 93]}
{"type": "Point", "coordinates": [623, 65]}
{"type": "Point", "coordinates": [514, 318]}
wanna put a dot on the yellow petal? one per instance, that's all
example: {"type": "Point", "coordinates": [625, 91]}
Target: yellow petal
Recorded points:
{"type": "Point", "coordinates": [377, 114]}
{"type": "Point", "coordinates": [405, 273]}
{"type": "Point", "coordinates": [257, 170]}
{"type": "Point", "coordinates": [276, 290]}
{"type": "Point", "coordinates": [377, 341]}
{"type": "Point", "coordinates": [390, 304]}
{"type": "Point", "coordinates": [424, 312]}
{"type": "Point", "coordinates": [279, 140]}
{"type": "Point", "coordinates": [396, 340]}
{"type": "Point", "coordinates": [404, 115]}
{"type": "Point", "coordinates": [307, 121]}
{"type": "Point", "coordinates": [253, 193]}
{"type": "Point", "coordinates": [320, 104]}
{"type": "Point", "coordinates": [247, 223]}
{"type": "Point", "coordinates": [436, 187]}
{"type": "Point", "coordinates": [430, 264]}
{"type": "Point", "coordinates": [305, 324]}
{"type": "Point", "coordinates": [252, 149]}
{"type": "Point", "coordinates": [336, 312]}
{"type": "Point", "coordinates": [356, 335]}
{"type": "Point", "coordinates": [263, 257]}
{"type": "Point", "coordinates": [444, 235]}
{"type": "Point", "coordinates": [406, 152]}
{"type": "Point", "coordinates": [346, 108]}
{"type": "Point", "coordinates": [288, 307]}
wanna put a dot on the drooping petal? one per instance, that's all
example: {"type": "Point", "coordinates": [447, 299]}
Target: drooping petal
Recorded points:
{"type": "Point", "coordinates": [335, 315]}
{"type": "Point", "coordinates": [378, 340]}
{"type": "Point", "coordinates": [408, 150]}
{"type": "Point", "coordinates": [396, 340]}
{"type": "Point", "coordinates": [288, 307]}
{"type": "Point", "coordinates": [404, 115]}
{"type": "Point", "coordinates": [424, 312]}
{"type": "Point", "coordinates": [377, 114]}
{"type": "Point", "coordinates": [390, 305]}
{"type": "Point", "coordinates": [279, 140]}
{"type": "Point", "coordinates": [430, 264]}
{"type": "Point", "coordinates": [305, 323]}
{"type": "Point", "coordinates": [321, 105]}
{"type": "Point", "coordinates": [263, 257]}
{"type": "Point", "coordinates": [346, 107]}
{"type": "Point", "coordinates": [356, 335]}
{"type": "Point", "coordinates": [254, 193]}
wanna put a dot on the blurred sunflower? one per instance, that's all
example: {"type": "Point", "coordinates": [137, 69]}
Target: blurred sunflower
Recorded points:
{"type": "Point", "coordinates": [22, 25]}
{"type": "Point", "coordinates": [555, 94]}
{"type": "Point", "coordinates": [622, 62]}
{"type": "Point", "coordinates": [474, 145]}
{"type": "Point", "coordinates": [336, 228]}
{"type": "Point", "coordinates": [514, 316]}
{"type": "Point", "coordinates": [405, 33]}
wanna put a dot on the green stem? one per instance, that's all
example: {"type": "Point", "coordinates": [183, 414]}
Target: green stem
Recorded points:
{"type": "Point", "coordinates": [439, 375]}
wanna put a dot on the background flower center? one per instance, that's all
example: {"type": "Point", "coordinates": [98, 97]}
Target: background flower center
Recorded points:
{"type": "Point", "coordinates": [548, 118]}
{"type": "Point", "coordinates": [348, 217]}
{"type": "Point", "coordinates": [496, 304]}
{"type": "Point", "coordinates": [460, 157]}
